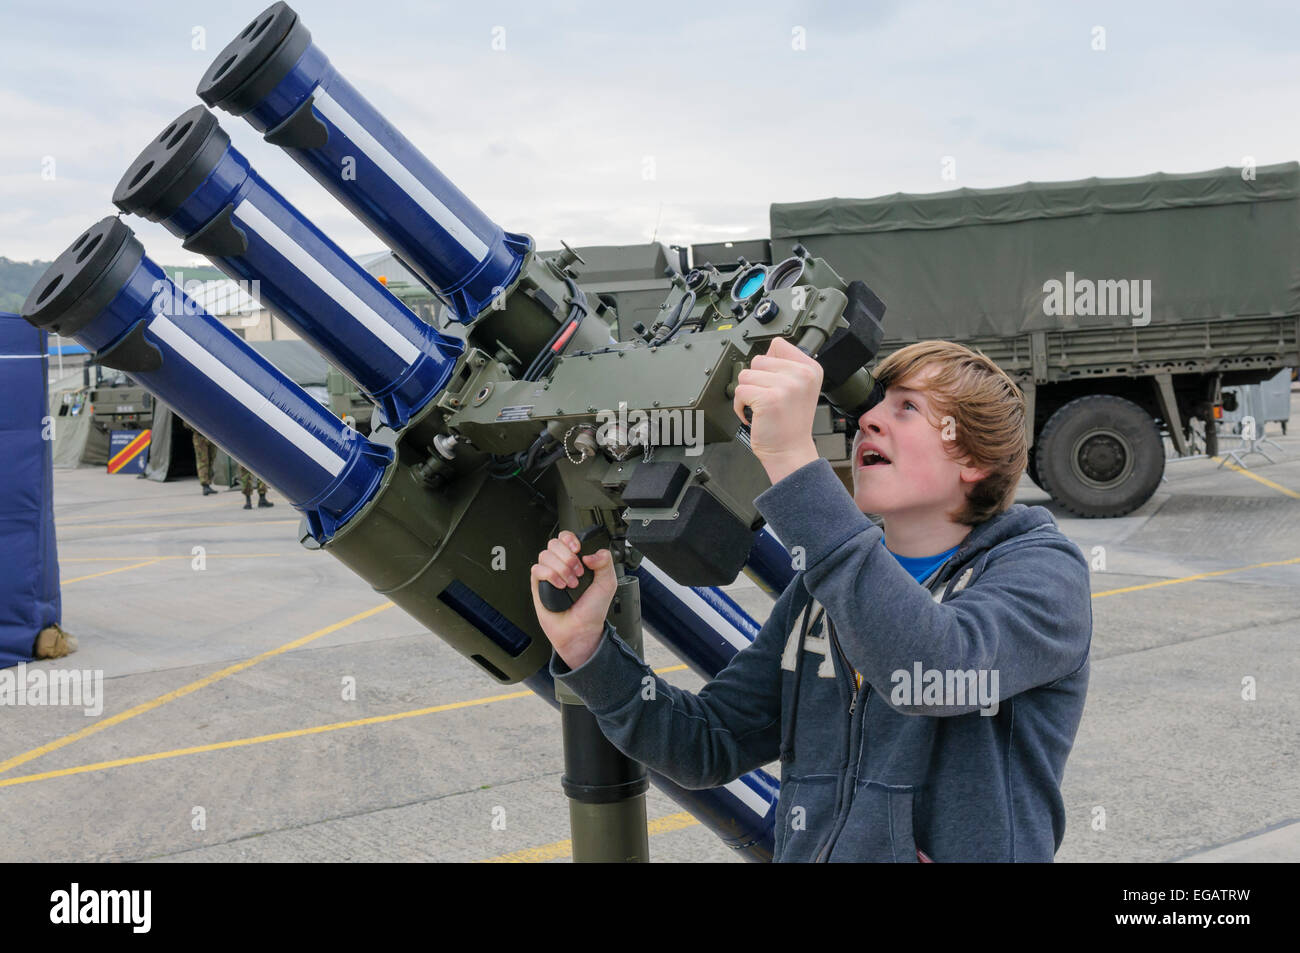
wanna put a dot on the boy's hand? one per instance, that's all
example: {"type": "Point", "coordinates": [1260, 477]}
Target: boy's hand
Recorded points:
{"type": "Point", "coordinates": [576, 632]}
{"type": "Point", "coordinates": [781, 387]}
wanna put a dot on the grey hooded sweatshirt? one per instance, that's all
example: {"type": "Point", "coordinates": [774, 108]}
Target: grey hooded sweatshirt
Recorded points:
{"type": "Point", "coordinates": [927, 721]}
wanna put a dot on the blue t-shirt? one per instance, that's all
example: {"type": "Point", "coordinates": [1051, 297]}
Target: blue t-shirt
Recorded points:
{"type": "Point", "coordinates": [920, 567]}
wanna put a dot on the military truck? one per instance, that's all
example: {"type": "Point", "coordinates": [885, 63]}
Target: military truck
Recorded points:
{"type": "Point", "coordinates": [347, 402]}
{"type": "Point", "coordinates": [1120, 307]}
{"type": "Point", "coordinates": [422, 302]}
{"type": "Point", "coordinates": [117, 401]}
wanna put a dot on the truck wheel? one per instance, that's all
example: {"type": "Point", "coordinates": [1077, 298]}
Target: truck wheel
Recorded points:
{"type": "Point", "coordinates": [1100, 455]}
{"type": "Point", "coordinates": [1031, 468]}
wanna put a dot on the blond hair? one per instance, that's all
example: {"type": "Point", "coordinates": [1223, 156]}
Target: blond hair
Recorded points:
{"type": "Point", "coordinates": [987, 411]}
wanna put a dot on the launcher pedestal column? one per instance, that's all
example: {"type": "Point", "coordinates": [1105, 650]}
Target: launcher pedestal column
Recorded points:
{"type": "Point", "coordinates": [606, 788]}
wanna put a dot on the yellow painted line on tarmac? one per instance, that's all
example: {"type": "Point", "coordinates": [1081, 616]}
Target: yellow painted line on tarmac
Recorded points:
{"type": "Point", "coordinates": [238, 742]}
{"type": "Point", "coordinates": [108, 572]}
{"type": "Point", "coordinates": [127, 559]}
{"type": "Point", "coordinates": [1256, 477]}
{"type": "Point", "coordinates": [564, 848]}
{"type": "Point", "coordinates": [181, 525]}
{"type": "Point", "coordinates": [259, 739]}
{"type": "Point", "coordinates": [1199, 575]}
{"type": "Point", "coordinates": [104, 559]}
{"type": "Point", "coordinates": [183, 691]}
{"type": "Point", "coordinates": [153, 561]}
{"type": "Point", "coordinates": [211, 507]}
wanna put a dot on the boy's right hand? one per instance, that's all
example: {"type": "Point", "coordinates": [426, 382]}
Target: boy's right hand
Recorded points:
{"type": "Point", "coordinates": [575, 633]}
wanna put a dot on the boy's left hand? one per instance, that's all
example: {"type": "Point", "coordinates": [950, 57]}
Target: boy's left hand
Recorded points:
{"type": "Point", "coordinates": [781, 388]}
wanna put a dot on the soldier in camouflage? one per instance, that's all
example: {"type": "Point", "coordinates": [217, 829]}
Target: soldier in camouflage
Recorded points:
{"type": "Point", "coordinates": [246, 479]}
{"type": "Point", "coordinates": [203, 452]}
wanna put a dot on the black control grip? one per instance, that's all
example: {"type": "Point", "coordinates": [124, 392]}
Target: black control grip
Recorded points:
{"type": "Point", "coordinates": [591, 541]}
{"type": "Point", "coordinates": [562, 600]}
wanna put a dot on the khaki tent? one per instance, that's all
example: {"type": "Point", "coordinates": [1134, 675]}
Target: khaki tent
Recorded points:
{"type": "Point", "coordinates": [77, 441]}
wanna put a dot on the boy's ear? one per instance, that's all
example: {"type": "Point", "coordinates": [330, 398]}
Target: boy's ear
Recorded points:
{"type": "Point", "coordinates": [973, 474]}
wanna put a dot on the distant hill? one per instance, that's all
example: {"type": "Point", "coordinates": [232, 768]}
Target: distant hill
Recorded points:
{"type": "Point", "coordinates": [17, 278]}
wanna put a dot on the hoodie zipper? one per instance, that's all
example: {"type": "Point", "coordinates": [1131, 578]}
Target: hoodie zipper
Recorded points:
{"type": "Point", "coordinates": [857, 689]}
{"type": "Point", "coordinates": [856, 693]}
{"type": "Point", "coordinates": [841, 806]}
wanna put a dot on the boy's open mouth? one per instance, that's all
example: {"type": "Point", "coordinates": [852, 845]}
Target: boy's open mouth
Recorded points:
{"type": "Point", "coordinates": [871, 457]}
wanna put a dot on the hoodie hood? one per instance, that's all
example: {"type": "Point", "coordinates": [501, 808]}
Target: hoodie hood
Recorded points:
{"type": "Point", "coordinates": [1012, 522]}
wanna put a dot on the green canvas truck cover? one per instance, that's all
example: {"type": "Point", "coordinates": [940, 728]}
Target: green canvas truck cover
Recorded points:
{"type": "Point", "coordinates": [966, 263]}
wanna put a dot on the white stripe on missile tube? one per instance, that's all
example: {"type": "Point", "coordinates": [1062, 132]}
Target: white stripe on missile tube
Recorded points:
{"type": "Point", "coordinates": [748, 796]}
{"type": "Point", "coordinates": [315, 272]}
{"type": "Point", "coordinates": [192, 352]}
{"type": "Point", "coordinates": [402, 176]}
{"type": "Point", "coordinates": [701, 608]}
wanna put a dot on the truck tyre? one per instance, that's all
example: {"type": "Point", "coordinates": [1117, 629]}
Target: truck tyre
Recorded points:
{"type": "Point", "coordinates": [1100, 455]}
{"type": "Point", "coordinates": [1031, 468]}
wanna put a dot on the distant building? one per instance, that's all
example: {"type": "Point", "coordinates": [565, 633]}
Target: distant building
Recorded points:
{"type": "Point", "coordinates": [231, 303]}
{"type": "Point", "coordinates": [67, 357]}
{"type": "Point", "coordinates": [385, 264]}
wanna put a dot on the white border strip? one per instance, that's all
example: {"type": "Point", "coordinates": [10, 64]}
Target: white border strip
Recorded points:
{"type": "Point", "coordinates": [748, 796]}
{"type": "Point", "coordinates": [413, 187]}
{"type": "Point", "coordinates": [246, 394]}
{"type": "Point", "coordinates": [315, 272]}
{"type": "Point", "coordinates": [701, 608]}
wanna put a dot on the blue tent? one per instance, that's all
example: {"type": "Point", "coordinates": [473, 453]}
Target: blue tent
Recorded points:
{"type": "Point", "coordinates": [29, 585]}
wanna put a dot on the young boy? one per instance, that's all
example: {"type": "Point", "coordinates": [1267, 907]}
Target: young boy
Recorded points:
{"type": "Point", "coordinates": [925, 707]}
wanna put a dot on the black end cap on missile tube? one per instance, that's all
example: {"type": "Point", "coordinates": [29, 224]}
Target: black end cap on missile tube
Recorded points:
{"type": "Point", "coordinates": [82, 281]}
{"type": "Point", "coordinates": [172, 166]}
{"type": "Point", "coordinates": [254, 63]}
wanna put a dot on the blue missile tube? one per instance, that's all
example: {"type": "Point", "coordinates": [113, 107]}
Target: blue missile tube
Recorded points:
{"type": "Point", "coordinates": [107, 295]}
{"type": "Point", "coordinates": [204, 191]}
{"type": "Point", "coordinates": [273, 75]}
{"type": "Point", "coordinates": [702, 625]}
{"type": "Point", "coordinates": [769, 564]}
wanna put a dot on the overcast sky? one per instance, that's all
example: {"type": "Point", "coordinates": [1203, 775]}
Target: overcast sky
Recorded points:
{"type": "Point", "coordinates": [609, 123]}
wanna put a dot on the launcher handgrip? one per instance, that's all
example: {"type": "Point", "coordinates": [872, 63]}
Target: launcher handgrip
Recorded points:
{"type": "Point", "coordinates": [562, 600]}
{"type": "Point", "coordinates": [591, 541]}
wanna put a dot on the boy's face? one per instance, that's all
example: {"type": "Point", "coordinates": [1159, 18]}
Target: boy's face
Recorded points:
{"type": "Point", "coordinates": [921, 477]}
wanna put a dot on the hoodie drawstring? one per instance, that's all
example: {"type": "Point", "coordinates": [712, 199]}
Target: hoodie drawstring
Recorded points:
{"type": "Point", "coordinates": [787, 736]}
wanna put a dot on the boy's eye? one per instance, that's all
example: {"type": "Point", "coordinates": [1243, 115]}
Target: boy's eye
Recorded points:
{"type": "Point", "coordinates": [908, 403]}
